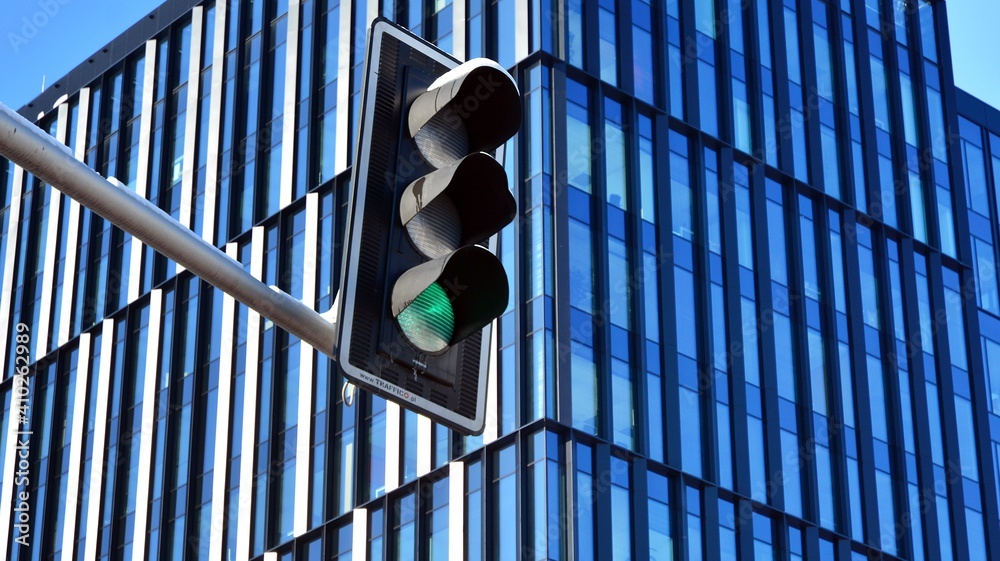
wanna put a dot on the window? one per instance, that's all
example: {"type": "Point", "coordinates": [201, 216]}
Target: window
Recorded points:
{"type": "Point", "coordinates": [608, 36]}
{"type": "Point", "coordinates": [661, 544]}
{"type": "Point", "coordinates": [404, 528]}
{"type": "Point", "coordinates": [644, 16]}
{"type": "Point", "coordinates": [505, 492]}
{"type": "Point", "coordinates": [621, 509]}
{"type": "Point", "coordinates": [437, 520]}
{"type": "Point", "coordinates": [585, 500]}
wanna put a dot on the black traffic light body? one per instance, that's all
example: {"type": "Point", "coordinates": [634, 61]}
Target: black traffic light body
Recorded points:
{"type": "Point", "coordinates": [419, 291]}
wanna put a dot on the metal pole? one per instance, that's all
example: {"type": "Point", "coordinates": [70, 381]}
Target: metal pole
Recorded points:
{"type": "Point", "coordinates": [29, 147]}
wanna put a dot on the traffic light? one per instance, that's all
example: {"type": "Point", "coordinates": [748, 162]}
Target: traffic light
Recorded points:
{"type": "Point", "coordinates": [421, 288]}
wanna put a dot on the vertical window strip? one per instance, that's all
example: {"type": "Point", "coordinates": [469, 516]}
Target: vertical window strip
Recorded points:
{"type": "Point", "coordinates": [788, 375]}
{"type": "Point", "coordinates": [742, 116]}
{"type": "Point", "coordinates": [645, 14]}
{"type": "Point", "coordinates": [882, 424]}
{"type": "Point", "coordinates": [104, 507]}
{"type": "Point", "coordinates": [436, 518]}
{"type": "Point", "coordinates": [918, 212]}
{"type": "Point", "coordinates": [652, 262]}
{"type": "Point", "coordinates": [574, 50]}
{"type": "Point", "coordinates": [763, 542]}
{"type": "Point", "coordinates": [685, 301]}
{"type": "Point", "coordinates": [585, 546]}
{"type": "Point", "coordinates": [816, 346]}
{"type": "Point", "coordinates": [131, 409]}
{"type": "Point", "coordinates": [769, 123]}
{"type": "Point", "coordinates": [541, 254]}
{"type": "Point", "coordinates": [161, 523]}
{"type": "Point", "coordinates": [474, 499]}
{"type": "Point", "coordinates": [545, 475]}
{"type": "Point", "coordinates": [884, 208]}
{"type": "Point", "coordinates": [504, 501]}
{"type": "Point", "coordinates": [621, 508]}
{"type": "Point", "coordinates": [854, 105]}
{"type": "Point", "coordinates": [675, 60]}
{"type": "Point", "coordinates": [620, 283]}
{"type": "Point", "coordinates": [718, 363]}
{"type": "Point", "coordinates": [846, 376]}
{"type": "Point", "coordinates": [705, 32]}
{"type": "Point", "coordinates": [574, 36]}
{"type": "Point", "coordinates": [88, 443]}
{"type": "Point", "coordinates": [661, 542]}
{"type": "Point", "coordinates": [608, 40]}
{"type": "Point", "coordinates": [756, 443]}
{"type": "Point", "coordinates": [796, 92]}
{"type": "Point", "coordinates": [976, 192]}
{"type": "Point", "coordinates": [914, 533]}
{"type": "Point", "coordinates": [931, 374]}
{"type": "Point", "coordinates": [584, 400]}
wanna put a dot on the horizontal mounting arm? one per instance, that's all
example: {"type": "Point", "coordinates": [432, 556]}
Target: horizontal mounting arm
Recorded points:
{"type": "Point", "coordinates": [41, 155]}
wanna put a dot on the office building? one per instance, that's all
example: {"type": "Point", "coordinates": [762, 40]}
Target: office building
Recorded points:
{"type": "Point", "coordinates": [754, 307]}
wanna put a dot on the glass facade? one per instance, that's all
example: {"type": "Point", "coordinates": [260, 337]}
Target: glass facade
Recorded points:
{"type": "Point", "coordinates": [755, 310]}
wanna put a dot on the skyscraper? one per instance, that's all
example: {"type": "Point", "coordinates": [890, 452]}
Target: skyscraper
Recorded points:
{"type": "Point", "coordinates": [754, 307]}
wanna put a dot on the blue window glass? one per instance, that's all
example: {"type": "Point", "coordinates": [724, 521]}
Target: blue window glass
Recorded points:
{"type": "Point", "coordinates": [647, 181]}
{"type": "Point", "coordinates": [437, 521]}
{"type": "Point", "coordinates": [622, 408]}
{"type": "Point", "coordinates": [404, 531]}
{"type": "Point", "coordinates": [581, 266]}
{"type": "Point", "coordinates": [956, 322]}
{"type": "Point", "coordinates": [473, 511]}
{"type": "Point", "coordinates": [661, 544]}
{"type": "Point", "coordinates": [574, 32]}
{"type": "Point", "coordinates": [937, 132]}
{"type": "Point", "coordinates": [621, 509]}
{"type": "Point", "coordinates": [909, 110]}
{"type": "Point", "coordinates": [928, 35]}
{"type": "Point", "coordinates": [687, 315]}
{"type": "Point", "coordinates": [991, 361]}
{"type": "Point", "coordinates": [506, 31]}
{"type": "Point", "coordinates": [776, 242]}
{"type": "Point", "coordinates": [695, 532]}
{"type": "Point", "coordinates": [608, 20]}
{"type": "Point", "coordinates": [505, 518]}
{"type": "Point", "coordinates": [614, 146]}
{"type": "Point", "coordinates": [704, 14]}
{"type": "Point", "coordinates": [967, 447]}
{"type": "Point", "coordinates": [578, 161]}
{"type": "Point", "coordinates": [644, 60]}
{"type": "Point", "coordinates": [377, 447]}
{"type": "Point", "coordinates": [763, 544]}
{"type": "Point", "coordinates": [708, 99]}
{"type": "Point", "coordinates": [680, 188]}
{"type": "Point", "coordinates": [584, 514]}
{"type": "Point", "coordinates": [881, 94]}
{"type": "Point", "coordinates": [584, 396]}
{"type": "Point", "coordinates": [676, 76]}
{"type": "Point", "coordinates": [326, 125]}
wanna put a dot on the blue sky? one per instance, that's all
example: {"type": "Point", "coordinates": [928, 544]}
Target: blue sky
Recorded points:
{"type": "Point", "coordinates": [44, 39]}
{"type": "Point", "coordinates": [975, 46]}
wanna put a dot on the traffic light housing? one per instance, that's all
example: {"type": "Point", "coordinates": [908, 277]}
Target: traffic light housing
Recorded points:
{"type": "Point", "coordinates": [421, 288]}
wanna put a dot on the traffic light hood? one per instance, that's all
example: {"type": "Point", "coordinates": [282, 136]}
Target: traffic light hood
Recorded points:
{"type": "Point", "coordinates": [474, 107]}
{"type": "Point", "coordinates": [476, 187]}
{"type": "Point", "coordinates": [474, 281]}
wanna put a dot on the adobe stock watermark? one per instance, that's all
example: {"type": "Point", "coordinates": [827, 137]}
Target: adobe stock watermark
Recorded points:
{"type": "Point", "coordinates": [31, 25]}
{"type": "Point", "coordinates": [19, 413]}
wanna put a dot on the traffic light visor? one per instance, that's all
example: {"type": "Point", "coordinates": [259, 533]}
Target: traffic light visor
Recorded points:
{"type": "Point", "coordinates": [475, 107]}
{"type": "Point", "coordinates": [459, 205]}
{"type": "Point", "coordinates": [471, 280]}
